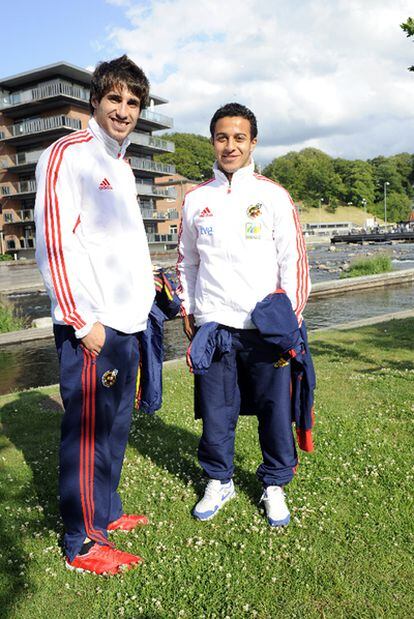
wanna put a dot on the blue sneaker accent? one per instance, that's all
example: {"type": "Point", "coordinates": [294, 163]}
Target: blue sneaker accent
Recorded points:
{"type": "Point", "coordinates": [215, 496]}
{"type": "Point", "coordinates": [279, 523]}
{"type": "Point", "coordinates": [275, 506]}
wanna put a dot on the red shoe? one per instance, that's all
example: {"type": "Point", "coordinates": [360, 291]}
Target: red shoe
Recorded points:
{"type": "Point", "coordinates": [103, 560]}
{"type": "Point", "coordinates": [127, 522]}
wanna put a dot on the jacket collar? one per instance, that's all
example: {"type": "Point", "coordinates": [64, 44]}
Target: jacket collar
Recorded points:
{"type": "Point", "coordinates": [111, 146]}
{"type": "Point", "coordinates": [237, 178]}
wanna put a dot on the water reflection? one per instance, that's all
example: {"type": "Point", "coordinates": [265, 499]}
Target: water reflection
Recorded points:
{"type": "Point", "coordinates": [34, 364]}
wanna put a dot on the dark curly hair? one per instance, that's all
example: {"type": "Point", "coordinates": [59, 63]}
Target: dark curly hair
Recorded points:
{"type": "Point", "coordinates": [235, 109]}
{"type": "Point", "coordinates": [117, 73]}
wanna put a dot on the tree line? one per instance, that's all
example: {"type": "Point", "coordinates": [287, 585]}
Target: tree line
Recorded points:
{"type": "Point", "coordinates": [314, 178]}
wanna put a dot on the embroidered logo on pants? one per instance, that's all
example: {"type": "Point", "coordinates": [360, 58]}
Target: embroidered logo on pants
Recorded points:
{"type": "Point", "coordinates": [109, 378]}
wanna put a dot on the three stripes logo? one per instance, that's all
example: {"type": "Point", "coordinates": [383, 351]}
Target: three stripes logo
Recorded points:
{"type": "Point", "coordinates": [105, 184]}
{"type": "Point", "coordinates": [206, 213]}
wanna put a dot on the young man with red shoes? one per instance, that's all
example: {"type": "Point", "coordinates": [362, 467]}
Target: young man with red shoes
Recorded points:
{"type": "Point", "coordinates": [93, 254]}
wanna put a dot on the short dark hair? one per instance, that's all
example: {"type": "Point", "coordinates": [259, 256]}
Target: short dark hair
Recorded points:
{"type": "Point", "coordinates": [121, 71]}
{"type": "Point", "coordinates": [235, 109]}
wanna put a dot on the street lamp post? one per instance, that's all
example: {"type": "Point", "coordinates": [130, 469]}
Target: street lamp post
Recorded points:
{"type": "Point", "coordinates": [386, 184]}
{"type": "Point", "coordinates": [320, 209]}
{"type": "Point", "coordinates": [364, 204]}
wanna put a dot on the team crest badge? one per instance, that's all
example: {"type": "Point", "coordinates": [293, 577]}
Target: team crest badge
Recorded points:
{"type": "Point", "coordinates": [109, 378]}
{"type": "Point", "coordinates": [254, 210]}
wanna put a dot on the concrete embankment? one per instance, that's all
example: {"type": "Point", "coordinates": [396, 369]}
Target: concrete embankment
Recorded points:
{"type": "Point", "coordinates": [352, 284]}
{"type": "Point", "coordinates": [322, 289]}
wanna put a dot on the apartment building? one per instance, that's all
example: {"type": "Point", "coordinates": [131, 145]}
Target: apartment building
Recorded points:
{"type": "Point", "coordinates": [38, 107]}
{"type": "Point", "coordinates": [170, 208]}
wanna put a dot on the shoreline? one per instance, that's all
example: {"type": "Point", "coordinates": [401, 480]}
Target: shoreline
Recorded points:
{"type": "Point", "coordinates": [319, 290]}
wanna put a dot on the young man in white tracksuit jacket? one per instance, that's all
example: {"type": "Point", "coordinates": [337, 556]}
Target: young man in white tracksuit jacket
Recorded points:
{"type": "Point", "coordinates": [93, 254]}
{"type": "Point", "coordinates": [241, 240]}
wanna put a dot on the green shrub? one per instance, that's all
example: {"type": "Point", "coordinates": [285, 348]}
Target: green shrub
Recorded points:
{"type": "Point", "coordinates": [10, 320]}
{"type": "Point", "coordinates": [369, 266]}
{"type": "Point", "coordinates": [5, 257]}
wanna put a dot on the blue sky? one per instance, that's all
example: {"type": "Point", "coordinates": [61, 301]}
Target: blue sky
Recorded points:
{"type": "Point", "coordinates": [41, 32]}
{"type": "Point", "coordinates": [330, 74]}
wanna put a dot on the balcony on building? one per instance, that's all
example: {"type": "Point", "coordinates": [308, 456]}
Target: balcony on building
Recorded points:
{"type": "Point", "coordinates": [153, 191]}
{"type": "Point", "coordinates": [150, 144]}
{"type": "Point", "coordinates": [50, 94]}
{"type": "Point", "coordinates": [22, 189]}
{"type": "Point", "coordinates": [49, 127]}
{"type": "Point", "coordinates": [149, 168]}
{"type": "Point", "coordinates": [44, 96]}
{"type": "Point", "coordinates": [150, 214]}
{"type": "Point", "coordinates": [21, 216]}
{"type": "Point", "coordinates": [164, 241]}
{"type": "Point", "coordinates": [154, 121]}
{"type": "Point", "coordinates": [21, 162]}
{"type": "Point", "coordinates": [25, 244]}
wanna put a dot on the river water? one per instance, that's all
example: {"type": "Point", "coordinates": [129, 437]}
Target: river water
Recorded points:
{"type": "Point", "coordinates": [34, 364]}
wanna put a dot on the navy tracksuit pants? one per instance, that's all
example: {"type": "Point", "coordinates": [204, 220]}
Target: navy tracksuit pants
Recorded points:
{"type": "Point", "coordinates": [246, 377]}
{"type": "Point", "coordinates": [94, 431]}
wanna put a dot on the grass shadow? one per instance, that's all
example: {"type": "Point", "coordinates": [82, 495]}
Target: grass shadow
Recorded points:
{"type": "Point", "coordinates": [32, 423]}
{"type": "Point", "coordinates": [13, 562]}
{"type": "Point", "coordinates": [174, 449]}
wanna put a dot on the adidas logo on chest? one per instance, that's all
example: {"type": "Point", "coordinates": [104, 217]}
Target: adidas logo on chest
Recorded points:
{"type": "Point", "coordinates": [105, 185]}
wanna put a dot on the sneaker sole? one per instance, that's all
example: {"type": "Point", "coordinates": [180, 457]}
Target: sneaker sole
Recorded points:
{"type": "Point", "coordinates": [205, 518]}
{"type": "Point", "coordinates": [279, 523]}
{"type": "Point", "coordinates": [121, 568]}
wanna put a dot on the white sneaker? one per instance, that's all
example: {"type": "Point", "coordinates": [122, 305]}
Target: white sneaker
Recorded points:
{"type": "Point", "coordinates": [277, 512]}
{"type": "Point", "coordinates": [215, 496]}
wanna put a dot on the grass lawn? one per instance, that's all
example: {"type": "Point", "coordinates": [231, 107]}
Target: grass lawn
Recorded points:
{"type": "Point", "coordinates": [343, 213]}
{"type": "Point", "coordinates": [346, 553]}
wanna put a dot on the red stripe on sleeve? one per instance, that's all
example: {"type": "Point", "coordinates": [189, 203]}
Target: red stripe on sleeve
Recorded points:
{"type": "Point", "coordinates": [53, 231]}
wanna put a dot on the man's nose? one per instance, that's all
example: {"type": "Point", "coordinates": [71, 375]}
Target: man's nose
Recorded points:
{"type": "Point", "coordinates": [231, 143]}
{"type": "Point", "coordinates": [122, 109]}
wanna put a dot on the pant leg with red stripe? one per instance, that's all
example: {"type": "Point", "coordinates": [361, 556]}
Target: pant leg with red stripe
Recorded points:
{"type": "Point", "coordinates": [94, 432]}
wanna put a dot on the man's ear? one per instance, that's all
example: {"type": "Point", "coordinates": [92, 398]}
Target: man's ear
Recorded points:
{"type": "Point", "coordinates": [94, 102]}
{"type": "Point", "coordinates": [253, 144]}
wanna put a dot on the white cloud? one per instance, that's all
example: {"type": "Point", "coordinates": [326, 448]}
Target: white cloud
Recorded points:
{"type": "Point", "coordinates": [328, 73]}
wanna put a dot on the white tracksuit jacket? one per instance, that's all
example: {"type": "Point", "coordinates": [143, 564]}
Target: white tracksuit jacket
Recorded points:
{"type": "Point", "coordinates": [91, 246]}
{"type": "Point", "coordinates": [238, 243]}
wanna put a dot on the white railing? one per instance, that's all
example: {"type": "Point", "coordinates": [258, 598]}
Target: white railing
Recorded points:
{"type": "Point", "coordinates": [138, 163]}
{"type": "Point", "coordinates": [143, 139]}
{"type": "Point", "coordinates": [44, 91]}
{"type": "Point", "coordinates": [160, 119]}
{"type": "Point", "coordinates": [144, 189]}
{"type": "Point", "coordinates": [18, 217]}
{"type": "Point", "coordinates": [172, 214]}
{"type": "Point", "coordinates": [21, 187]}
{"type": "Point", "coordinates": [162, 238]}
{"type": "Point", "coordinates": [44, 124]}
{"type": "Point", "coordinates": [26, 186]}
{"type": "Point", "coordinates": [23, 158]}
{"type": "Point", "coordinates": [148, 213]}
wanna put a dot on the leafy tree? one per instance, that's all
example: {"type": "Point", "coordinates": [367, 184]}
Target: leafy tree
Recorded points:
{"type": "Point", "coordinates": [408, 28]}
{"type": "Point", "coordinates": [404, 163]}
{"type": "Point", "coordinates": [359, 183]}
{"type": "Point", "coordinates": [309, 175]}
{"type": "Point", "coordinates": [193, 156]}
{"type": "Point", "coordinates": [398, 207]}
